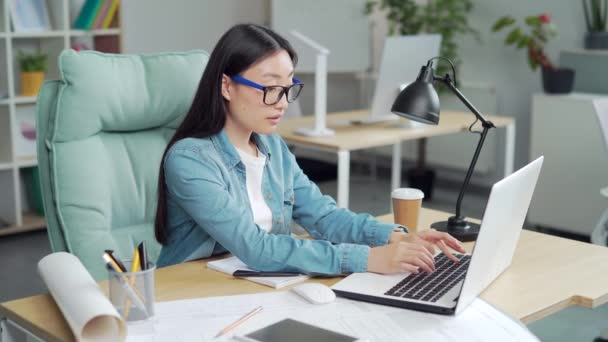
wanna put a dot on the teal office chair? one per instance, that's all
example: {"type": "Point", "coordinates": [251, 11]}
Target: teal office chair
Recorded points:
{"type": "Point", "coordinates": [102, 129]}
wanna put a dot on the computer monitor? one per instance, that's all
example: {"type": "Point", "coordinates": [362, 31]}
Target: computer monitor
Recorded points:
{"type": "Point", "coordinates": [402, 58]}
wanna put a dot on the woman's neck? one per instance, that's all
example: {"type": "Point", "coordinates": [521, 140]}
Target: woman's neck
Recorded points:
{"type": "Point", "coordinates": [240, 138]}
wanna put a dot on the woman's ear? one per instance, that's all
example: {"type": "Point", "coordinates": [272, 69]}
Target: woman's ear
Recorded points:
{"type": "Point", "coordinates": [226, 87]}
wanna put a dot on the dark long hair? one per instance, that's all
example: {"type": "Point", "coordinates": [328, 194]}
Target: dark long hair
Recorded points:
{"type": "Point", "coordinates": [238, 49]}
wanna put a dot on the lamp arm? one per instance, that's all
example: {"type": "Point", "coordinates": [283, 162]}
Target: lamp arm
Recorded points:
{"type": "Point", "coordinates": [465, 184]}
{"type": "Point", "coordinates": [486, 126]}
{"type": "Point", "coordinates": [448, 81]}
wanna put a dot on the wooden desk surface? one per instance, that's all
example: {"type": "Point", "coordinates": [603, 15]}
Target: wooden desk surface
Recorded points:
{"type": "Point", "coordinates": [547, 274]}
{"type": "Point", "coordinates": [349, 136]}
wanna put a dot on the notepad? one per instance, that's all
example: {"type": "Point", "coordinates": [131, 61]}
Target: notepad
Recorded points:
{"type": "Point", "coordinates": [230, 265]}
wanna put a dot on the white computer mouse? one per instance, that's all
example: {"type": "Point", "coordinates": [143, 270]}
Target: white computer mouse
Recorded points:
{"type": "Point", "coordinates": [315, 293]}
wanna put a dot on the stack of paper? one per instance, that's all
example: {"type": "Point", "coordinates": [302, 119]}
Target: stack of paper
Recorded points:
{"type": "Point", "coordinates": [202, 318]}
{"type": "Point", "coordinates": [230, 265]}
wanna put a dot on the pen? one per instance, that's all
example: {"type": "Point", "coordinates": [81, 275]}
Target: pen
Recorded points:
{"type": "Point", "coordinates": [116, 260]}
{"type": "Point", "coordinates": [247, 273]}
{"type": "Point", "coordinates": [239, 321]}
{"type": "Point", "coordinates": [143, 256]}
{"type": "Point", "coordinates": [135, 267]}
{"type": "Point", "coordinates": [123, 282]}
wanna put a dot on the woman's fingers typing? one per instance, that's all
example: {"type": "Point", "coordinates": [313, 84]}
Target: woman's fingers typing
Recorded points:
{"type": "Point", "coordinates": [428, 245]}
{"type": "Point", "coordinates": [445, 250]}
{"type": "Point", "coordinates": [424, 255]}
{"type": "Point", "coordinates": [414, 252]}
{"type": "Point", "coordinates": [391, 258]}
{"type": "Point", "coordinates": [405, 267]}
{"type": "Point", "coordinates": [443, 241]}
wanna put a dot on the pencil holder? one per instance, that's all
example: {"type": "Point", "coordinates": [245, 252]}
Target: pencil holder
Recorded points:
{"type": "Point", "coordinates": [132, 293]}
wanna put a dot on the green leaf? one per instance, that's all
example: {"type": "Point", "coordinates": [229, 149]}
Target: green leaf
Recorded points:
{"type": "Point", "coordinates": [449, 18]}
{"type": "Point", "coordinates": [533, 20]}
{"type": "Point", "coordinates": [36, 61]}
{"type": "Point", "coordinates": [513, 36]}
{"type": "Point", "coordinates": [369, 6]}
{"type": "Point", "coordinates": [523, 41]}
{"type": "Point", "coordinates": [502, 22]}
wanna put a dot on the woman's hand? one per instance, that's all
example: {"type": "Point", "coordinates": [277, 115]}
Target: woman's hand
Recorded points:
{"type": "Point", "coordinates": [429, 239]}
{"type": "Point", "coordinates": [400, 257]}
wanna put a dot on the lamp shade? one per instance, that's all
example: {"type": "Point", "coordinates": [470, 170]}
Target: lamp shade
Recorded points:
{"type": "Point", "coordinates": [419, 100]}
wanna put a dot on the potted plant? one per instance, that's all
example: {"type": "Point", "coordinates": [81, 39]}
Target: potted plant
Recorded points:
{"type": "Point", "coordinates": [33, 67]}
{"type": "Point", "coordinates": [445, 17]}
{"type": "Point", "coordinates": [541, 30]}
{"type": "Point", "coordinates": [595, 18]}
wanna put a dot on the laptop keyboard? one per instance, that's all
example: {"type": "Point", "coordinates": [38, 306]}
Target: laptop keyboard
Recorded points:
{"type": "Point", "coordinates": [431, 286]}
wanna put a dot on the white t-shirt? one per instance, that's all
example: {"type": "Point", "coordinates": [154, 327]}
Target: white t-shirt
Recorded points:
{"type": "Point", "coordinates": [254, 167]}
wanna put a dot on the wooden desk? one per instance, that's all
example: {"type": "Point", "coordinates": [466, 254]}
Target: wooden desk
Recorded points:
{"type": "Point", "coordinates": [548, 274]}
{"type": "Point", "coordinates": [350, 137]}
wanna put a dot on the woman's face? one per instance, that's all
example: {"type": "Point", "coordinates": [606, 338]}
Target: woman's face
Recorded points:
{"type": "Point", "coordinates": [246, 107]}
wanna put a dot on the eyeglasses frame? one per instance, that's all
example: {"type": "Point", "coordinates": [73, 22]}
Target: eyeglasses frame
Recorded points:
{"type": "Point", "coordinates": [244, 81]}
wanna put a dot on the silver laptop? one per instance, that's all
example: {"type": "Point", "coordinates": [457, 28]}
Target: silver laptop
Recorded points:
{"type": "Point", "coordinates": [453, 286]}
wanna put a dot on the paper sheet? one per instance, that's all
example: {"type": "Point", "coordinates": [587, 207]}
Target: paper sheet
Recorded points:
{"type": "Point", "coordinates": [88, 312]}
{"type": "Point", "coordinates": [201, 319]}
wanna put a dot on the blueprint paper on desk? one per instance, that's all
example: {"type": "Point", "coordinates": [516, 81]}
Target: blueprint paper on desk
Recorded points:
{"type": "Point", "coordinates": [202, 318]}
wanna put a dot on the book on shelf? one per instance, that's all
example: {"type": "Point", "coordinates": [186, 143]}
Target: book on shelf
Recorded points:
{"type": "Point", "coordinates": [96, 14]}
{"type": "Point", "coordinates": [87, 14]}
{"type": "Point", "coordinates": [111, 13]}
{"type": "Point", "coordinates": [101, 15]}
{"type": "Point", "coordinates": [29, 16]}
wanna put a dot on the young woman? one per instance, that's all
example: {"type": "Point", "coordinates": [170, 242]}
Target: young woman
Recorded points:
{"type": "Point", "coordinates": [229, 183]}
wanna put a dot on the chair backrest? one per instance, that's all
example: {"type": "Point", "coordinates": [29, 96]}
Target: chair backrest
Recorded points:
{"type": "Point", "coordinates": [601, 110]}
{"type": "Point", "coordinates": [599, 235]}
{"type": "Point", "coordinates": [102, 129]}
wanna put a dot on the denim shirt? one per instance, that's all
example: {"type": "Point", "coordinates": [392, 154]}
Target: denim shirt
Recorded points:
{"type": "Point", "coordinates": [209, 212]}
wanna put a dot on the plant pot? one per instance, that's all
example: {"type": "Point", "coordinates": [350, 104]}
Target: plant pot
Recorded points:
{"type": "Point", "coordinates": [422, 179]}
{"type": "Point", "coordinates": [31, 82]}
{"type": "Point", "coordinates": [558, 81]}
{"type": "Point", "coordinates": [596, 40]}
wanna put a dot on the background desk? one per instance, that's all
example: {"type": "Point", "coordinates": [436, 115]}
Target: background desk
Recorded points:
{"type": "Point", "coordinates": [350, 137]}
{"type": "Point", "coordinates": [548, 273]}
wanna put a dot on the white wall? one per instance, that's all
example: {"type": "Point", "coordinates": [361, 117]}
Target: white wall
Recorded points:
{"type": "Point", "coordinates": [163, 25]}
{"type": "Point", "coordinates": [160, 25]}
{"type": "Point", "coordinates": [507, 68]}
{"type": "Point", "coordinates": [174, 25]}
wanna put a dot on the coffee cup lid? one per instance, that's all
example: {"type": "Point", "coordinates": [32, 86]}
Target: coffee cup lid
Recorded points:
{"type": "Point", "coordinates": [407, 194]}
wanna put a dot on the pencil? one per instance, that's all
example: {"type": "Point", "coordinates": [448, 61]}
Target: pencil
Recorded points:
{"type": "Point", "coordinates": [135, 267]}
{"type": "Point", "coordinates": [239, 321]}
{"type": "Point", "coordinates": [136, 297]}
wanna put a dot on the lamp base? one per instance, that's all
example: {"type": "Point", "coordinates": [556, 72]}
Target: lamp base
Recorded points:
{"type": "Point", "coordinates": [459, 228]}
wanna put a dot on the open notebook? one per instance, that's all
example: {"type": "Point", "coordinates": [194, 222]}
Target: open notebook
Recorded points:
{"type": "Point", "coordinates": [230, 265]}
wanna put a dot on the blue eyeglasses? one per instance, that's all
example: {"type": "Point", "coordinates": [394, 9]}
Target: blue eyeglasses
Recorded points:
{"type": "Point", "coordinates": [273, 94]}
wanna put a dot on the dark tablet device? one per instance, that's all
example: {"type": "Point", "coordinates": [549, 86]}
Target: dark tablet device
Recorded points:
{"type": "Point", "coordinates": [295, 331]}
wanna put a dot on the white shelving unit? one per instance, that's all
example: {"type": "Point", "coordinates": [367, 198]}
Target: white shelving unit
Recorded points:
{"type": "Point", "coordinates": [17, 150]}
{"type": "Point", "coordinates": [565, 129]}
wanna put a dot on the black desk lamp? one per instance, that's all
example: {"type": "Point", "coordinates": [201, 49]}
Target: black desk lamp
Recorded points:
{"type": "Point", "coordinates": [419, 102]}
